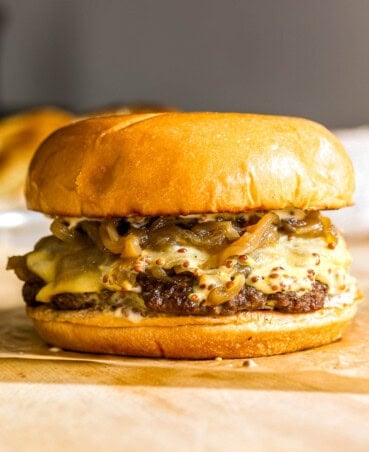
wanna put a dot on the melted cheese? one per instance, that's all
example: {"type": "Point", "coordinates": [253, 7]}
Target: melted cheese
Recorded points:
{"type": "Point", "coordinates": [291, 264]}
{"type": "Point", "coordinates": [67, 267]}
{"type": "Point", "coordinates": [85, 282]}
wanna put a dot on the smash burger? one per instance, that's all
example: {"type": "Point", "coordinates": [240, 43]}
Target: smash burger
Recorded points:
{"type": "Point", "coordinates": [189, 235]}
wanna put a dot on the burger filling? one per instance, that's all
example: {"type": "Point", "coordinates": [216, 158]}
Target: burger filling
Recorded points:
{"type": "Point", "coordinates": [214, 264]}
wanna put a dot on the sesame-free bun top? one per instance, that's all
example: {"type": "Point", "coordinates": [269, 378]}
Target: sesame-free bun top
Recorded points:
{"type": "Point", "coordinates": [183, 163]}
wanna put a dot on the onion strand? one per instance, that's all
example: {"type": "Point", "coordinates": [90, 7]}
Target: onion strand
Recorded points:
{"type": "Point", "coordinates": [256, 236]}
{"type": "Point", "coordinates": [220, 295]}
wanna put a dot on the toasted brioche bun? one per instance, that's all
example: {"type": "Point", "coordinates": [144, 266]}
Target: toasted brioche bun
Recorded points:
{"type": "Point", "coordinates": [183, 163]}
{"type": "Point", "coordinates": [250, 334]}
{"type": "Point", "coordinates": [20, 135]}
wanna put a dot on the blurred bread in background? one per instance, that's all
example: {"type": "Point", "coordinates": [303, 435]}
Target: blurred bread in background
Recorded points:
{"type": "Point", "coordinates": [131, 108]}
{"type": "Point", "coordinates": [20, 135]}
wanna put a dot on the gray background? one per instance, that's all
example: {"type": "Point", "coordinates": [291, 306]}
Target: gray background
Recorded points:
{"type": "Point", "coordinates": [298, 57]}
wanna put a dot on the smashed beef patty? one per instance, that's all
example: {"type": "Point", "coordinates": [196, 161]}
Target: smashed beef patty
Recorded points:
{"type": "Point", "coordinates": [171, 296]}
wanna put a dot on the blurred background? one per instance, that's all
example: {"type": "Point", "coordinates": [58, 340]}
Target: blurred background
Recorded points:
{"type": "Point", "coordinates": [307, 58]}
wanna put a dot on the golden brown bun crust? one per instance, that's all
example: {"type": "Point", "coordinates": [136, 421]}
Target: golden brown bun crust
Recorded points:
{"type": "Point", "coordinates": [20, 135]}
{"type": "Point", "coordinates": [243, 336]}
{"type": "Point", "coordinates": [182, 163]}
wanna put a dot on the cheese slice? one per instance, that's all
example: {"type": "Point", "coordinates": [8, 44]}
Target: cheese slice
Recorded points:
{"type": "Point", "coordinates": [291, 264]}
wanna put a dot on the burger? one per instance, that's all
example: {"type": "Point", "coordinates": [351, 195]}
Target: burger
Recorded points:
{"type": "Point", "coordinates": [189, 235]}
{"type": "Point", "coordinates": [20, 135]}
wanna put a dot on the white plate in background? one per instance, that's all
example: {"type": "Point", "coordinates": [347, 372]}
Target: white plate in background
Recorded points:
{"type": "Point", "coordinates": [354, 220]}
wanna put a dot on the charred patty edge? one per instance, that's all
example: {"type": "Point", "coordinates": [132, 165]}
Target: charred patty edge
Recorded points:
{"type": "Point", "coordinates": [171, 296]}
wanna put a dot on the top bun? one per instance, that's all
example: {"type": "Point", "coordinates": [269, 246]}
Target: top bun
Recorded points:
{"type": "Point", "coordinates": [130, 108]}
{"type": "Point", "coordinates": [183, 163]}
{"type": "Point", "coordinates": [20, 135]}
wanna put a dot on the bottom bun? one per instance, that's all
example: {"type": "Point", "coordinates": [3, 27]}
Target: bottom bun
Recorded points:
{"type": "Point", "coordinates": [246, 335]}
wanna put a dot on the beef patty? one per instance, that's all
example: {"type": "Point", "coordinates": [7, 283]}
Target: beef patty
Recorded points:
{"type": "Point", "coordinates": [170, 296]}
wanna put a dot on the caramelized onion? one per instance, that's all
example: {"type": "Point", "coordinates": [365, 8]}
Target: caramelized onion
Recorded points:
{"type": "Point", "coordinates": [128, 246]}
{"type": "Point", "coordinates": [314, 225]}
{"type": "Point", "coordinates": [91, 228]}
{"type": "Point", "coordinates": [110, 242]}
{"type": "Point", "coordinates": [61, 230]}
{"type": "Point", "coordinates": [158, 239]}
{"type": "Point", "coordinates": [119, 273]}
{"type": "Point", "coordinates": [202, 235]}
{"type": "Point", "coordinates": [158, 272]}
{"type": "Point", "coordinates": [329, 231]}
{"type": "Point", "coordinates": [261, 234]}
{"type": "Point", "coordinates": [19, 265]}
{"type": "Point", "coordinates": [160, 223]}
{"type": "Point", "coordinates": [220, 295]}
{"type": "Point", "coordinates": [211, 227]}
{"type": "Point", "coordinates": [311, 225]}
{"type": "Point", "coordinates": [80, 259]}
{"type": "Point", "coordinates": [131, 246]}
